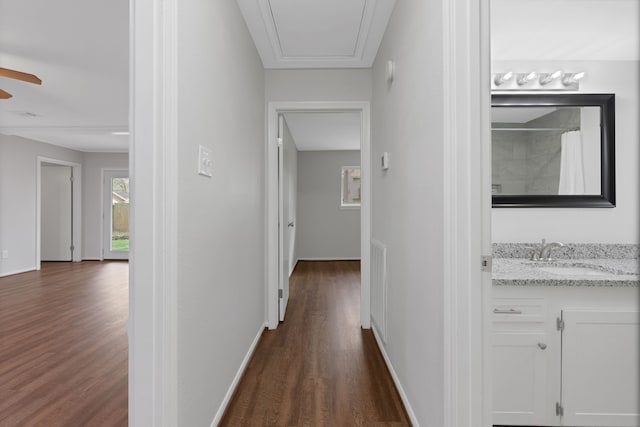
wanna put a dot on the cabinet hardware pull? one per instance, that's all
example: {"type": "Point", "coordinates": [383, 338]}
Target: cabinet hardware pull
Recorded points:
{"type": "Point", "coordinates": [509, 311]}
{"type": "Point", "coordinates": [542, 346]}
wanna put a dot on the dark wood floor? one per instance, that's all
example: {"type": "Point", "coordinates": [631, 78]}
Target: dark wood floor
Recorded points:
{"type": "Point", "coordinates": [319, 368]}
{"type": "Point", "coordinates": [63, 346]}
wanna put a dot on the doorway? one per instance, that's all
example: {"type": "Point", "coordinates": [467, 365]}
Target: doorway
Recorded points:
{"type": "Point", "coordinates": [319, 190]}
{"type": "Point", "coordinates": [58, 210]}
{"type": "Point", "coordinates": [57, 213]}
{"type": "Point", "coordinates": [115, 215]}
{"type": "Point", "coordinates": [275, 233]}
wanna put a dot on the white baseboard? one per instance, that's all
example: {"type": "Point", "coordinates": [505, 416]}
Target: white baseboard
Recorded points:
{"type": "Point", "coordinates": [396, 381]}
{"type": "Point", "coordinates": [236, 379]}
{"type": "Point", "coordinates": [330, 259]}
{"type": "Point", "coordinates": [294, 267]}
{"type": "Point", "coordinates": [92, 259]}
{"type": "Point", "coordinates": [11, 273]}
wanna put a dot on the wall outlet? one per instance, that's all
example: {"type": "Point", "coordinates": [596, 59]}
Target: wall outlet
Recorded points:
{"type": "Point", "coordinates": [5, 254]}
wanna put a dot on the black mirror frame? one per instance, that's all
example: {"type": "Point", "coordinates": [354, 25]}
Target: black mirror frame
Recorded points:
{"type": "Point", "coordinates": [606, 102]}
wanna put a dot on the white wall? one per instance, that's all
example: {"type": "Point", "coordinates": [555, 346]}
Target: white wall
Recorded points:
{"type": "Point", "coordinates": [91, 196]}
{"type": "Point", "coordinates": [587, 225]}
{"type": "Point", "coordinates": [18, 198]}
{"type": "Point", "coordinates": [221, 225]}
{"type": "Point", "coordinates": [325, 231]}
{"type": "Point", "coordinates": [318, 85]}
{"type": "Point", "coordinates": [408, 200]}
{"type": "Point", "coordinates": [290, 176]}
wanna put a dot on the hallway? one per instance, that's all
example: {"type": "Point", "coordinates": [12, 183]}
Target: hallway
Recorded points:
{"type": "Point", "coordinates": [63, 345]}
{"type": "Point", "coordinates": [319, 367]}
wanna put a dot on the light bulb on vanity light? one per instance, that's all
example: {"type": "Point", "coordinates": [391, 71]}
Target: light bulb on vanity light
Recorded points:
{"type": "Point", "coordinates": [546, 78]}
{"type": "Point", "coordinates": [524, 78]}
{"type": "Point", "coordinates": [502, 78]}
{"type": "Point", "coordinates": [571, 78]}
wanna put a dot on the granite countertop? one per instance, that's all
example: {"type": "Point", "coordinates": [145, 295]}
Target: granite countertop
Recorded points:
{"type": "Point", "coordinates": [623, 272]}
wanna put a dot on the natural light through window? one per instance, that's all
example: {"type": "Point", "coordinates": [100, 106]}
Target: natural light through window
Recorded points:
{"type": "Point", "coordinates": [120, 214]}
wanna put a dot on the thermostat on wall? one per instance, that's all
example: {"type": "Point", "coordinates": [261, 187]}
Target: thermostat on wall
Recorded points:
{"type": "Point", "coordinates": [385, 161]}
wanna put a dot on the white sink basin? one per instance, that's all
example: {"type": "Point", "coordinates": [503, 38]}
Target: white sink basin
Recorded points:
{"type": "Point", "coordinates": [575, 271]}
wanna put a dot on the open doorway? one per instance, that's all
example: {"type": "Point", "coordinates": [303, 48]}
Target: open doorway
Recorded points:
{"type": "Point", "coordinates": [319, 190]}
{"type": "Point", "coordinates": [277, 274]}
{"type": "Point", "coordinates": [545, 321]}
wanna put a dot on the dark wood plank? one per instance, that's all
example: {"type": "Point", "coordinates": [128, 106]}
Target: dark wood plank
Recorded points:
{"type": "Point", "coordinates": [319, 368]}
{"type": "Point", "coordinates": [63, 345]}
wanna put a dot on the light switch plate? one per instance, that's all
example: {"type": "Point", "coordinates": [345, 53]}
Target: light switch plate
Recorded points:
{"type": "Point", "coordinates": [5, 254]}
{"type": "Point", "coordinates": [205, 163]}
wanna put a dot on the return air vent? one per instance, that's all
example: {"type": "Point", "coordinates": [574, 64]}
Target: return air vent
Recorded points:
{"type": "Point", "coordinates": [379, 288]}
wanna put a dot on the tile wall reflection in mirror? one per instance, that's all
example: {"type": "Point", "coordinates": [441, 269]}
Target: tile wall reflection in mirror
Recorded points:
{"type": "Point", "coordinates": [545, 150]}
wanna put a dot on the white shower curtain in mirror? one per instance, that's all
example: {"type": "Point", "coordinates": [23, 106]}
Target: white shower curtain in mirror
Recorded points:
{"type": "Point", "coordinates": [571, 164]}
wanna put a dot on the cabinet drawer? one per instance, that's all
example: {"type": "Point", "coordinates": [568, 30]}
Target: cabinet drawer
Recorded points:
{"type": "Point", "coordinates": [518, 310]}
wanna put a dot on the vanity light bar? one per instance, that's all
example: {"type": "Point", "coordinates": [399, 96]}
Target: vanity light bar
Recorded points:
{"type": "Point", "coordinates": [557, 80]}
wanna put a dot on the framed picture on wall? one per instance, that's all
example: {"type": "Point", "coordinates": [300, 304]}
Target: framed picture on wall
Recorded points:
{"type": "Point", "coordinates": [350, 187]}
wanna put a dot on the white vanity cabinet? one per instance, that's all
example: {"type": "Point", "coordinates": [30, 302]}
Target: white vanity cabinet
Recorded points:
{"type": "Point", "coordinates": [525, 351]}
{"type": "Point", "coordinates": [600, 375]}
{"type": "Point", "coordinates": [565, 356]}
{"type": "Point", "coordinates": [521, 370]}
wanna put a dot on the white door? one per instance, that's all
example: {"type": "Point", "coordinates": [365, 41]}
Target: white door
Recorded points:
{"type": "Point", "coordinates": [283, 258]}
{"type": "Point", "coordinates": [116, 214]}
{"type": "Point", "coordinates": [520, 371]}
{"type": "Point", "coordinates": [600, 358]}
{"type": "Point", "coordinates": [56, 213]}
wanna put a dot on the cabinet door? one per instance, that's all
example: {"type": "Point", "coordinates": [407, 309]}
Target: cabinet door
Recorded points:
{"type": "Point", "coordinates": [600, 354]}
{"type": "Point", "coordinates": [520, 372]}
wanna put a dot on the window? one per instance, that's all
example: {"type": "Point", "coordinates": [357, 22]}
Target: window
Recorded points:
{"type": "Point", "coordinates": [350, 187]}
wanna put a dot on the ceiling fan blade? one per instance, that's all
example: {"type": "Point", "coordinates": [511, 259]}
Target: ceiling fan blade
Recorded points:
{"type": "Point", "coordinates": [5, 95]}
{"type": "Point", "coordinates": [19, 75]}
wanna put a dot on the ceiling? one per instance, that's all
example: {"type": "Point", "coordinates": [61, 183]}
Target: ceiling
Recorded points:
{"type": "Point", "coordinates": [317, 33]}
{"type": "Point", "coordinates": [565, 30]}
{"type": "Point", "coordinates": [80, 50]}
{"type": "Point", "coordinates": [324, 131]}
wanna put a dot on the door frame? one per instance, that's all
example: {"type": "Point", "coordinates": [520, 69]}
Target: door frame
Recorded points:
{"type": "Point", "coordinates": [103, 173]}
{"type": "Point", "coordinates": [76, 210]}
{"type": "Point", "coordinates": [467, 212]}
{"type": "Point", "coordinates": [272, 232]}
{"type": "Point", "coordinates": [283, 276]}
{"type": "Point", "coordinates": [153, 215]}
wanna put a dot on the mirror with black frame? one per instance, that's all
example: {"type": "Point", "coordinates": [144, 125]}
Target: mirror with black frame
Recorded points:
{"type": "Point", "coordinates": [553, 150]}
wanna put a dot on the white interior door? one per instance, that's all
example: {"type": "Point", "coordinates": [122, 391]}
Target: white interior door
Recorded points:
{"type": "Point", "coordinates": [116, 214]}
{"type": "Point", "coordinates": [283, 258]}
{"type": "Point", "coordinates": [56, 213]}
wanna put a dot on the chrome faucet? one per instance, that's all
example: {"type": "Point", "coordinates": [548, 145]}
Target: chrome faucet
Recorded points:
{"type": "Point", "coordinates": [543, 251]}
